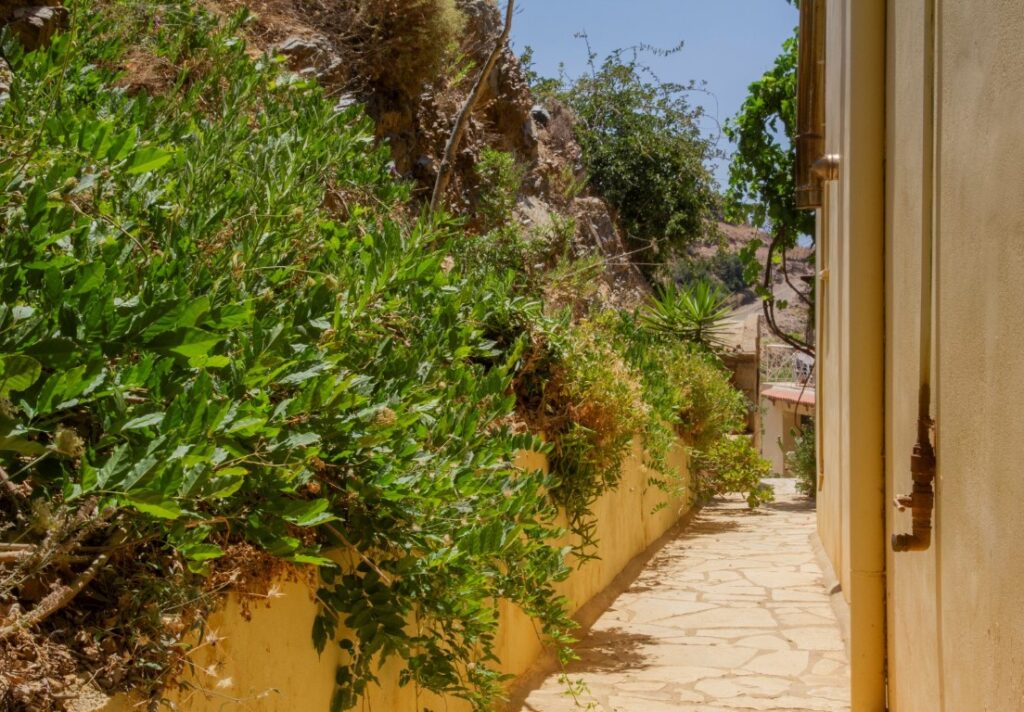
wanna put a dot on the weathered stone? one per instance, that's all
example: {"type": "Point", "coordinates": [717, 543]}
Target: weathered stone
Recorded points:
{"type": "Point", "coordinates": [721, 687]}
{"type": "Point", "coordinates": [35, 25]}
{"type": "Point", "coordinates": [345, 102]}
{"type": "Point", "coordinates": [6, 78]}
{"type": "Point", "coordinates": [815, 638]}
{"type": "Point", "coordinates": [783, 663]}
{"type": "Point", "coordinates": [764, 642]}
{"type": "Point", "coordinates": [723, 617]}
{"type": "Point", "coordinates": [300, 49]}
{"type": "Point", "coordinates": [541, 115]}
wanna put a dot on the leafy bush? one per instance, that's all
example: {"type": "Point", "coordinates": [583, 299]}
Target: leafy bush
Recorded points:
{"type": "Point", "coordinates": [643, 151]}
{"type": "Point", "coordinates": [732, 465]}
{"type": "Point", "coordinates": [500, 179]}
{"type": "Point", "coordinates": [220, 333]}
{"type": "Point", "coordinates": [593, 406]}
{"type": "Point", "coordinates": [723, 268]}
{"type": "Point", "coordinates": [802, 461]}
{"type": "Point", "coordinates": [539, 259]}
{"type": "Point", "coordinates": [228, 352]}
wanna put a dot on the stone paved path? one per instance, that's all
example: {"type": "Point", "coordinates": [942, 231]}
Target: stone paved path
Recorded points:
{"type": "Point", "coordinates": [731, 615]}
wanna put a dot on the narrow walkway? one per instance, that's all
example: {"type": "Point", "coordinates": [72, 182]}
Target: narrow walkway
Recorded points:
{"type": "Point", "coordinates": [731, 615]}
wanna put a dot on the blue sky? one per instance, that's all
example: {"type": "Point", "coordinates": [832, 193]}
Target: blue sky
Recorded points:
{"type": "Point", "coordinates": [728, 43]}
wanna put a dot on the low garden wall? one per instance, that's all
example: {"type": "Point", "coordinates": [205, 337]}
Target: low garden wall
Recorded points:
{"type": "Point", "coordinates": [262, 658]}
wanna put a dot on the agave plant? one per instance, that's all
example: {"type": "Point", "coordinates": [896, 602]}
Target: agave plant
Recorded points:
{"type": "Point", "coordinates": [696, 314]}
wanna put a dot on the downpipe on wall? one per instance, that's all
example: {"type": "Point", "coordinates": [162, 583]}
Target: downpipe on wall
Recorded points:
{"type": "Point", "coordinates": [921, 500]}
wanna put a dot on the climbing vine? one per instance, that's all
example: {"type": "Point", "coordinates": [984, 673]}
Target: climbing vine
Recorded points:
{"type": "Point", "coordinates": [762, 181]}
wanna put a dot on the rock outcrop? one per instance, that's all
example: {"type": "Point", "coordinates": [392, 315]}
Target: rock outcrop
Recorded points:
{"type": "Point", "coordinates": [32, 22]}
{"type": "Point", "coordinates": [317, 38]}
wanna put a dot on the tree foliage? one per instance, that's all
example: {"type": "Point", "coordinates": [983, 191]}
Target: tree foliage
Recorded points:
{"type": "Point", "coordinates": [643, 151]}
{"type": "Point", "coordinates": [761, 176]}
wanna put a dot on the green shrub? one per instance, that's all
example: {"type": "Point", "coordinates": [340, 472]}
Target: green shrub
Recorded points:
{"type": "Point", "coordinates": [597, 406]}
{"type": "Point", "coordinates": [612, 380]}
{"type": "Point", "coordinates": [731, 465]}
{"type": "Point", "coordinates": [500, 179]}
{"type": "Point", "coordinates": [643, 151]}
{"type": "Point", "coordinates": [802, 461]}
{"type": "Point", "coordinates": [220, 334]}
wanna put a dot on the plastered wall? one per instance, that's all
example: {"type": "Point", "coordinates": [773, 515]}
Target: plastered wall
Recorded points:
{"type": "Point", "coordinates": [977, 563]}
{"type": "Point", "coordinates": [268, 663]}
{"type": "Point", "coordinates": [781, 418]}
{"type": "Point", "coordinates": [953, 177]}
{"type": "Point", "coordinates": [851, 338]}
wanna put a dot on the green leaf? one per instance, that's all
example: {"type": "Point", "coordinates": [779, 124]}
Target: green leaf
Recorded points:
{"type": "Point", "coordinates": [55, 352]}
{"type": "Point", "coordinates": [308, 514]}
{"type": "Point", "coordinates": [115, 465]}
{"type": "Point", "coordinates": [121, 146]}
{"type": "Point", "coordinates": [18, 372]}
{"type": "Point", "coordinates": [148, 158]}
{"type": "Point", "coordinates": [88, 278]}
{"type": "Point", "coordinates": [155, 504]}
{"type": "Point", "coordinates": [202, 552]}
{"type": "Point", "coordinates": [311, 560]}
{"type": "Point", "coordinates": [204, 361]}
{"type": "Point", "coordinates": [143, 421]}
{"type": "Point", "coordinates": [35, 206]}
{"type": "Point", "coordinates": [187, 342]}
{"type": "Point", "coordinates": [297, 440]}
{"type": "Point", "coordinates": [18, 444]}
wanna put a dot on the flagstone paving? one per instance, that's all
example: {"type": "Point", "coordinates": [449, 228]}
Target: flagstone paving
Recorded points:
{"type": "Point", "coordinates": [730, 615]}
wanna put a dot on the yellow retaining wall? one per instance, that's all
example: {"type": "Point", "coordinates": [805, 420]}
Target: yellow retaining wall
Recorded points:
{"type": "Point", "coordinates": [268, 663]}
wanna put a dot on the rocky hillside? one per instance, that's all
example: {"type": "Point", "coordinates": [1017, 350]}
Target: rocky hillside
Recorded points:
{"type": "Point", "coordinates": [378, 61]}
{"type": "Point", "coordinates": [798, 269]}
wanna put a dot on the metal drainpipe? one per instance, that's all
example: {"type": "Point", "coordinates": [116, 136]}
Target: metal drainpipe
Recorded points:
{"type": "Point", "coordinates": [921, 500]}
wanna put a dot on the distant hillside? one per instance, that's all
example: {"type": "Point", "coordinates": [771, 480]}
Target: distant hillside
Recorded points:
{"type": "Point", "coordinates": [734, 238]}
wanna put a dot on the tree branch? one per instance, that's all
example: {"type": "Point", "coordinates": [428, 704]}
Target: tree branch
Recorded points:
{"type": "Point", "coordinates": [785, 274]}
{"type": "Point", "coordinates": [444, 172]}
{"type": "Point", "coordinates": [768, 303]}
{"type": "Point", "coordinates": [64, 595]}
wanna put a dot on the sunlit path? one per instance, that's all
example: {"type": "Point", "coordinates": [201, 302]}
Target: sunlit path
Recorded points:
{"type": "Point", "coordinates": [731, 615]}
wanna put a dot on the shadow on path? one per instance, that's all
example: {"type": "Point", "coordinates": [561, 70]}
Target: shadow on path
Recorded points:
{"type": "Point", "coordinates": [731, 614]}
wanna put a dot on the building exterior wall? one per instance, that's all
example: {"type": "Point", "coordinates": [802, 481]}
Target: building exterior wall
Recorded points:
{"type": "Point", "coordinates": [268, 663]}
{"type": "Point", "coordinates": [851, 497]}
{"type": "Point", "coordinates": [953, 181]}
{"type": "Point", "coordinates": [774, 427]}
{"type": "Point", "coordinates": [780, 419]}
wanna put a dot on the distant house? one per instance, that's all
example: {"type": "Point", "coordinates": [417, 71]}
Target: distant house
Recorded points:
{"type": "Point", "coordinates": [785, 409]}
{"type": "Point", "coordinates": [741, 355]}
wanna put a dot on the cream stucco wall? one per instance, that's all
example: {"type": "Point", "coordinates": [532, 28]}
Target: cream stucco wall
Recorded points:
{"type": "Point", "coordinates": [851, 496]}
{"type": "Point", "coordinates": [953, 178]}
{"type": "Point", "coordinates": [779, 420]}
{"type": "Point", "coordinates": [956, 613]}
{"type": "Point", "coordinates": [268, 663]}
